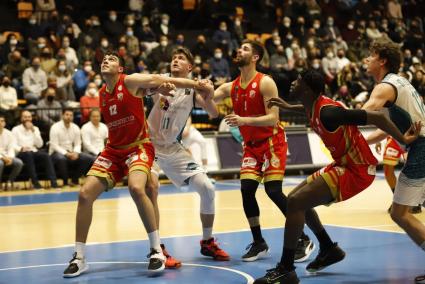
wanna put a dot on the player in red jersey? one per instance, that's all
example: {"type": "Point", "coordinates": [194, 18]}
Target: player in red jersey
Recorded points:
{"type": "Point", "coordinates": [127, 152]}
{"type": "Point", "coordinates": [391, 156]}
{"type": "Point", "coordinates": [264, 144]}
{"type": "Point", "coordinates": [352, 171]}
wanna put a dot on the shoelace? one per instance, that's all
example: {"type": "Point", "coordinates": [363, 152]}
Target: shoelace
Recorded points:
{"type": "Point", "coordinates": [152, 253]}
{"type": "Point", "coordinates": [74, 257]}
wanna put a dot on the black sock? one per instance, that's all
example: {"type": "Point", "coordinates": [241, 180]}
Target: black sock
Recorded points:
{"type": "Point", "coordinates": [256, 234]}
{"type": "Point", "coordinates": [324, 239]}
{"type": "Point", "coordinates": [288, 256]}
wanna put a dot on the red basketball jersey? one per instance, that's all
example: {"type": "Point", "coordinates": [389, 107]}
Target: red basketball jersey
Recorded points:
{"type": "Point", "coordinates": [124, 115]}
{"type": "Point", "coordinates": [346, 144]}
{"type": "Point", "coordinates": [249, 102]}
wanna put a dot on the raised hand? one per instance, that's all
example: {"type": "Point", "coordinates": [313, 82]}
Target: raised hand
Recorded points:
{"type": "Point", "coordinates": [280, 103]}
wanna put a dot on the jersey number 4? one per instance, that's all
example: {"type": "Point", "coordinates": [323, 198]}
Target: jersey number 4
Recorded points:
{"type": "Point", "coordinates": [113, 110]}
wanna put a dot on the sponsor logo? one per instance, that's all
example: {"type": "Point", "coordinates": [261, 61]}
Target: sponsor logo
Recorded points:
{"type": "Point", "coordinates": [249, 162]}
{"type": "Point", "coordinates": [275, 162]}
{"type": "Point", "coordinates": [192, 166]}
{"type": "Point", "coordinates": [391, 152]}
{"type": "Point", "coordinates": [252, 93]}
{"type": "Point", "coordinates": [103, 162]}
{"type": "Point", "coordinates": [120, 88]}
{"type": "Point", "coordinates": [131, 159]}
{"type": "Point", "coordinates": [144, 157]}
{"type": "Point", "coordinates": [254, 85]}
{"type": "Point", "coordinates": [339, 171]}
{"type": "Point", "coordinates": [120, 96]}
{"type": "Point", "coordinates": [371, 170]}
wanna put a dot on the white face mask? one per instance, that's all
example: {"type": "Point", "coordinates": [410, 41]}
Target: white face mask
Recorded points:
{"type": "Point", "coordinates": [88, 68]}
{"type": "Point", "coordinates": [62, 68]}
{"type": "Point", "coordinates": [330, 55]}
{"type": "Point", "coordinates": [13, 41]}
{"type": "Point", "coordinates": [92, 91]}
{"type": "Point", "coordinates": [130, 22]}
{"type": "Point", "coordinates": [316, 65]}
{"type": "Point", "coordinates": [316, 26]}
{"type": "Point", "coordinates": [163, 43]}
{"type": "Point", "coordinates": [350, 26]}
{"type": "Point", "coordinates": [289, 36]}
{"type": "Point", "coordinates": [130, 33]}
{"type": "Point", "coordinates": [237, 23]}
{"type": "Point", "coordinates": [197, 61]}
{"type": "Point", "coordinates": [218, 55]}
{"type": "Point", "coordinates": [310, 43]}
{"type": "Point", "coordinates": [98, 82]}
{"type": "Point", "coordinates": [32, 21]}
{"type": "Point", "coordinates": [287, 24]}
{"type": "Point", "coordinates": [41, 45]}
{"type": "Point", "coordinates": [113, 18]}
{"type": "Point", "coordinates": [65, 44]}
{"type": "Point", "coordinates": [223, 28]}
{"type": "Point", "coordinates": [276, 42]}
{"type": "Point", "coordinates": [165, 21]}
{"type": "Point", "coordinates": [104, 44]}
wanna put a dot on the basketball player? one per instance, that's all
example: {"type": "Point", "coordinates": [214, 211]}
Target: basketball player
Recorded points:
{"type": "Point", "coordinates": [166, 121]}
{"type": "Point", "coordinates": [265, 147]}
{"type": "Point", "coordinates": [404, 105]}
{"type": "Point", "coordinates": [128, 152]}
{"type": "Point", "coordinates": [352, 171]}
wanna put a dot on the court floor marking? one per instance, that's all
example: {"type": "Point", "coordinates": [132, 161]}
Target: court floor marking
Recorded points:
{"type": "Point", "coordinates": [248, 277]}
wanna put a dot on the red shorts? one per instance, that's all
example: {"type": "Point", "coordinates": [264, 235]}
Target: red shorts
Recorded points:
{"type": "Point", "coordinates": [392, 152]}
{"type": "Point", "coordinates": [265, 160]}
{"type": "Point", "coordinates": [346, 181]}
{"type": "Point", "coordinates": [113, 164]}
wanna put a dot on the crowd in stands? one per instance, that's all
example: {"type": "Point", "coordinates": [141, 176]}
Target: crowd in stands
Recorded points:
{"type": "Point", "coordinates": [49, 66]}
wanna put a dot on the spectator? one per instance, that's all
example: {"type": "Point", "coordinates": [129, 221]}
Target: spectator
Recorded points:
{"type": "Point", "coordinates": [82, 78]}
{"type": "Point", "coordinates": [70, 54]}
{"type": "Point", "coordinates": [43, 9]}
{"type": "Point", "coordinates": [98, 81]}
{"type": "Point", "coordinates": [89, 101]}
{"type": "Point", "coordinates": [394, 10]}
{"type": "Point", "coordinates": [7, 154]}
{"type": "Point", "coordinates": [278, 61]}
{"type": "Point", "coordinates": [129, 66]}
{"type": "Point", "coordinates": [9, 46]}
{"type": "Point", "coordinates": [132, 43]}
{"type": "Point", "coordinates": [94, 134]}
{"type": "Point", "coordinates": [34, 80]}
{"type": "Point", "coordinates": [201, 48]}
{"type": "Point", "coordinates": [15, 68]}
{"type": "Point", "coordinates": [342, 61]}
{"type": "Point", "coordinates": [50, 109]}
{"type": "Point", "coordinates": [219, 66]}
{"type": "Point", "coordinates": [65, 149]}
{"type": "Point", "coordinates": [222, 37]}
{"type": "Point", "coordinates": [113, 28]}
{"type": "Point", "coordinates": [29, 142]}
{"type": "Point", "coordinates": [161, 53]}
{"type": "Point", "coordinates": [164, 28]}
{"type": "Point", "coordinates": [8, 100]}
{"type": "Point", "coordinates": [86, 51]}
{"type": "Point", "coordinates": [48, 63]}
{"type": "Point", "coordinates": [147, 37]}
{"type": "Point", "coordinates": [64, 83]}
{"type": "Point", "coordinates": [31, 29]}
{"type": "Point", "coordinates": [372, 31]}
{"type": "Point", "coordinates": [100, 51]}
{"type": "Point", "coordinates": [331, 31]}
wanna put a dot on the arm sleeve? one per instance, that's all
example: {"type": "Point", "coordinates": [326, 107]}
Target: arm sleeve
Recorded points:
{"type": "Point", "coordinates": [332, 117]}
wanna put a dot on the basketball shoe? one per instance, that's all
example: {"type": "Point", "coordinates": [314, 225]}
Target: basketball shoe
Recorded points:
{"type": "Point", "coordinates": [279, 274]}
{"type": "Point", "coordinates": [210, 248]}
{"type": "Point", "coordinates": [156, 261]}
{"type": "Point", "coordinates": [256, 250]}
{"type": "Point", "coordinates": [325, 258]}
{"type": "Point", "coordinates": [170, 262]}
{"type": "Point", "coordinates": [77, 265]}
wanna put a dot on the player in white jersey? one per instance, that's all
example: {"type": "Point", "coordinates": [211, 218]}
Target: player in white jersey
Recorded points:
{"type": "Point", "coordinates": [166, 121]}
{"type": "Point", "coordinates": [405, 107]}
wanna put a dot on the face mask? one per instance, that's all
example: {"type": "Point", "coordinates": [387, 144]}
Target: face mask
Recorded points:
{"type": "Point", "coordinates": [113, 18]}
{"type": "Point", "coordinates": [32, 21]}
{"type": "Point", "coordinates": [330, 22]}
{"type": "Point", "coordinates": [92, 91]}
{"type": "Point", "coordinates": [163, 43]}
{"type": "Point", "coordinates": [13, 42]}
{"type": "Point", "coordinates": [237, 23]}
{"type": "Point", "coordinates": [310, 43]}
{"type": "Point", "coordinates": [197, 61]}
{"type": "Point", "coordinates": [350, 27]}
{"type": "Point", "coordinates": [6, 84]}
{"type": "Point", "coordinates": [364, 66]}
{"type": "Point", "coordinates": [104, 44]}
{"type": "Point", "coordinates": [65, 44]}
{"type": "Point", "coordinates": [223, 28]}
{"type": "Point", "coordinates": [36, 66]}
{"type": "Point", "coordinates": [340, 55]}
{"type": "Point", "coordinates": [96, 23]}
{"type": "Point", "coordinates": [98, 82]}
{"type": "Point", "coordinates": [165, 22]}
{"type": "Point", "coordinates": [330, 55]}
{"type": "Point", "coordinates": [130, 33]}
{"type": "Point", "coordinates": [88, 68]}
{"type": "Point", "coordinates": [275, 34]}
{"type": "Point", "coordinates": [50, 98]}
{"type": "Point", "coordinates": [130, 22]}
{"type": "Point", "coordinates": [287, 24]}
{"type": "Point", "coordinates": [41, 45]}
{"type": "Point", "coordinates": [276, 42]}
{"type": "Point", "coordinates": [218, 55]}
{"type": "Point", "coordinates": [289, 36]}
{"type": "Point", "coordinates": [385, 26]}
{"type": "Point", "coordinates": [316, 65]}
{"type": "Point", "coordinates": [316, 26]}
{"type": "Point", "coordinates": [62, 68]}
{"type": "Point", "coordinates": [179, 41]}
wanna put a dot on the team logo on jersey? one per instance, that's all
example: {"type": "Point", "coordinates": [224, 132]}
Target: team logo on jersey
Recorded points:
{"type": "Point", "coordinates": [187, 91]}
{"type": "Point", "coordinates": [103, 162]}
{"type": "Point", "coordinates": [275, 162]}
{"type": "Point", "coordinates": [164, 104]}
{"type": "Point", "coordinates": [391, 152]}
{"type": "Point", "coordinates": [192, 167]}
{"type": "Point", "coordinates": [252, 93]}
{"type": "Point", "coordinates": [120, 88]}
{"type": "Point", "coordinates": [120, 96]}
{"type": "Point", "coordinates": [249, 162]}
{"type": "Point", "coordinates": [131, 159]}
{"type": "Point", "coordinates": [144, 157]}
{"type": "Point", "coordinates": [254, 85]}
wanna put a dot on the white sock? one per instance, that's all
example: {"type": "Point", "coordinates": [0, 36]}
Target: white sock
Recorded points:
{"type": "Point", "coordinates": [423, 246]}
{"type": "Point", "coordinates": [80, 248]}
{"type": "Point", "coordinates": [154, 240]}
{"type": "Point", "coordinates": [207, 233]}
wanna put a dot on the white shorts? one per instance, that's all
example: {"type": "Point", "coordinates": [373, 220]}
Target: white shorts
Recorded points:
{"type": "Point", "coordinates": [410, 192]}
{"type": "Point", "coordinates": [177, 163]}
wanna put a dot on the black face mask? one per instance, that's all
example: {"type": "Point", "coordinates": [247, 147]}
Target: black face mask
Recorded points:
{"type": "Point", "coordinates": [6, 84]}
{"type": "Point", "coordinates": [50, 98]}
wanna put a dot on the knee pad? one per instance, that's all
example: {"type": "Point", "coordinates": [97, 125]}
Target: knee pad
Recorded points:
{"type": "Point", "coordinates": [205, 189]}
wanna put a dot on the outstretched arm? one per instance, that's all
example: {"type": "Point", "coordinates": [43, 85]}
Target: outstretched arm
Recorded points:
{"type": "Point", "coordinates": [222, 92]}
{"type": "Point", "coordinates": [282, 104]}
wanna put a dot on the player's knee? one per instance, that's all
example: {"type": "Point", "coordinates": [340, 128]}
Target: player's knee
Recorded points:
{"type": "Point", "coordinates": [294, 202]}
{"type": "Point", "coordinates": [85, 197]}
{"type": "Point", "coordinates": [152, 188]}
{"type": "Point", "coordinates": [274, 189]}
{"type": "Point", "coordinates": [206, 192]}
{"type": "Point", "coordinates": [399, 217]}
{"type": "Point", "coordinates": [137, 191]}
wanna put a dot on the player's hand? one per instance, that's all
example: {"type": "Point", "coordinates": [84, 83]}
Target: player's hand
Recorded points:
{"type": "Point", "coordinates": [378, 148]}
{"type": "Point", "coordinates": [206, 89]}
{"type": "Point", "coordinates": [412, 133]}
{"type": "Point", "coordinates": [167, 89]}
{"type": "Point", "coordinates": [280, 103]}
{"type": "Point", "coordinates": [234, 120]}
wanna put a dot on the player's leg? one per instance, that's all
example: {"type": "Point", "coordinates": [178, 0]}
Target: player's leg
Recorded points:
{"type": "Point", "coordinates": [201, 183]}
{"type": "Point", "coordinates": [93, 186]}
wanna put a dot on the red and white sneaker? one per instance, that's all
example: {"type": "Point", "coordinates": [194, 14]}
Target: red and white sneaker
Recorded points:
{"type": "Point", "coordinates": [170, 262]}
{"type": "Point", "coordinates": [210, 248]}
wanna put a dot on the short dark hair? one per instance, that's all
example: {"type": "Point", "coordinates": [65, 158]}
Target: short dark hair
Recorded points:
{"type": "Point", "coordinates": [67, 109]}
{"type": "Point", "coordinates": [314, 80]}
{"type": "Point", "coordinates": [257, 48]}
{"type": "Point", "coordinates": [114, 53]}
{"type": "Point", "coordinates": [185, 51]}
{"type": "Point", "coordinates": [389, 50]}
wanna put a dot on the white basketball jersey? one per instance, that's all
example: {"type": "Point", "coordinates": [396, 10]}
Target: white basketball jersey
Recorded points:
{"type": "Point", "coordinates": [408, 106]}
{"type": "Point", "coordinates": [168, 116]}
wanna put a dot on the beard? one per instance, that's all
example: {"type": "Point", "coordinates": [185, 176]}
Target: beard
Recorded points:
{"type": "Point", "coordinates": [241, 62]}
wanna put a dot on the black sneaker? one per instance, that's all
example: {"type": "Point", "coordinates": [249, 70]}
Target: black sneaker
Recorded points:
{"type": "Point", "coordinates": [416, 209]}
{"type": "Point", "coordinates": [325, 258]}
{"type": "Point", "coordinates": [156, 261]}
{"type": "Point", "coordinates": [255, 251]}
{"type": "Point", "coordinates": [279, 274]}
{"type": "Point", "coordinates": [420, 279]}
{"type": "Point", "coordinates": [304, 249]}
{"type": "Point", "coordinates": [76, 267]}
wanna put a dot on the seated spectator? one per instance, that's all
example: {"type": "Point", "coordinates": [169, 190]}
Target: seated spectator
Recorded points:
{"type": "Point", "coordinates": [222, 37]}
{"type": "Point", "coordinates": [219, 66]}
{"type": "Point", "coordinates": [201, 48]}
{"type": "Point", "coordinates": [70, 53]}
{"type": "Point", "coordinates": [89, 101]}
{"type": "Point", "coordinates": [50, 108]}
{"type": "Point", "coordinates": [64, 83]}
{"type": "Point", "coordinates": [35, 81]}
{"type": "Point", "coordinates": [8, 100]}
{"type": "Point", "coordinates": [7, 154]}
{"type": "Point", "coordinates": [82, 78]}
{"type": "Point", "coordinates": [65, 149]}
{"type": "Point", "coordinates": [48, 62]}
{"type": "Point", "coordinates": [161, 53]}
{"type": "Point", "coordinates": [29, 142]}
{"type": "Point", "coordinates": [15, 68]}
{"type": "Point", "coordinates": [94, 134]}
